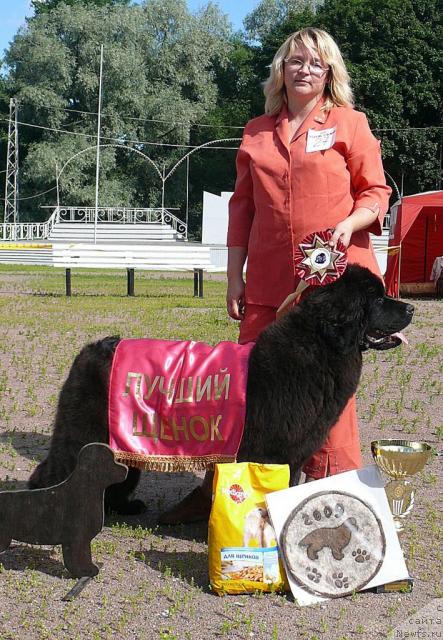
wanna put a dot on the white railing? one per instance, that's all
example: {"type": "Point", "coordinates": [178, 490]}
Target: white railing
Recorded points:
{"type": "Point", "coordinates": [27, 230]}
{"type": "Point", "coordinates": [121, 215]}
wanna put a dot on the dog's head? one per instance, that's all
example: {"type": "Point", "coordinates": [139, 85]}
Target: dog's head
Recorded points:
{"type": "Point", "coordinates": [355, 310]}
{"type": "Point", "coordinates": [96, 463]}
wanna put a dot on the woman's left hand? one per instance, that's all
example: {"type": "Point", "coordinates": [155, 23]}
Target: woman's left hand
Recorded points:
{"type": "Point", "coordinates": [343, 231]}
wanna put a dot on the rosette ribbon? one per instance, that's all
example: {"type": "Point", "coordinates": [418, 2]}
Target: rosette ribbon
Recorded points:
{"type": "Point", "coordinates": [316, 264]}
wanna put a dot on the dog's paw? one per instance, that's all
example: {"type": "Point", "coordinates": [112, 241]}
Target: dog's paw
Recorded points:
{"type": "Point", "coordinates": [128, 508]}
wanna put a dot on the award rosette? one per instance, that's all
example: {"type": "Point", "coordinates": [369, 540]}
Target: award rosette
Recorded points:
{"type": "Point", "coordinates": [316, 264]}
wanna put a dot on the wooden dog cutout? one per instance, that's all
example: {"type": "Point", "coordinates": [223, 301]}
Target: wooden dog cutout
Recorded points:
{"type": "Point", "coordinates": [70, 513]}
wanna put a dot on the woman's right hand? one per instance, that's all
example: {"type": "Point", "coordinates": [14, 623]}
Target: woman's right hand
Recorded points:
{"type": "Point", "coordinates": [235, 298]}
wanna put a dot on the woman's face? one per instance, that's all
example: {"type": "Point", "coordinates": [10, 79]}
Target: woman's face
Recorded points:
{"type": "Point", "coordinates": [305, 75]}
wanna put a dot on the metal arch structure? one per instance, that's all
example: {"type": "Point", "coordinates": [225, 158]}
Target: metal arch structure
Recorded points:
{"type": "Point", "coordinates": [186, 157]}
{"type": "Point", "coordinates": [168, 216]}
{"type": "Point", "coordinates": [397, 190]}
{"type": "Point", "coordinates": [201, 146]}
{"type": "Point", "coordinates": [161, 174]}
{"type": "Point", "coordinates": [117, 146]}
{"type": "Point", "coordinates": [11, 184]}
{"type": "Point", "coordinates": [96, 147]}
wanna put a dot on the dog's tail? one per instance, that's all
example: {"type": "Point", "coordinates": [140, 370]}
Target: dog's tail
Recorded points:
{"type": "Point", "coordinates": [82, 412]}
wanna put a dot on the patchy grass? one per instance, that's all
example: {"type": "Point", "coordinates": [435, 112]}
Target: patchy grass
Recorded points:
{"type": "Point", "coordinates": [153, 582]}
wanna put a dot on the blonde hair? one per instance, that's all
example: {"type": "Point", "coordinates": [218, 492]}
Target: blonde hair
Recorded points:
{"type": "Point", "coordinates": [337, 91]}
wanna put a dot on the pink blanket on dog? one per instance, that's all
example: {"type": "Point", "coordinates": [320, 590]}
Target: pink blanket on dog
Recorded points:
{"type": "Point", "coordinates": [177, 406]}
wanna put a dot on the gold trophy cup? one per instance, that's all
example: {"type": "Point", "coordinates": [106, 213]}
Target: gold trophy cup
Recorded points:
{"type": "Point", "coordinates": [400, 459]}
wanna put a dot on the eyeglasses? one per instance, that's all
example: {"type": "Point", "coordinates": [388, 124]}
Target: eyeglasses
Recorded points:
{"type": "Point", "coordinates": [314, 68]}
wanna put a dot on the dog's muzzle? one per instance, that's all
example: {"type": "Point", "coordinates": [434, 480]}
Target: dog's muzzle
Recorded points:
{"type": "Point", "coordinates": [382, 342]}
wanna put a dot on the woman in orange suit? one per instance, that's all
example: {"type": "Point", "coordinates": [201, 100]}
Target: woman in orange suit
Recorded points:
{"type": "Point", "coordinates": [310, 163]}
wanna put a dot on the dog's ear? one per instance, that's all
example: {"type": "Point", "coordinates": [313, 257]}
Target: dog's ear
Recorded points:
{"type": "Point", "coordinates": [340, 316]}
{"type": "Point", "coordinates": [344, 336]}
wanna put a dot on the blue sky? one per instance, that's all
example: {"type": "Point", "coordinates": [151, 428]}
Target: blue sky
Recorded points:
{"type": "Point", "coordinates": [13, 13]}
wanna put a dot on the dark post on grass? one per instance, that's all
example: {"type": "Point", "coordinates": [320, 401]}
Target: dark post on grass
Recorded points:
{"type": "Point", "coordinates": [70, 513]}
{"type": "Point", "coordinates": [198, 283]}
{"type": "Point", "coordinates": [68, 282]}
{"type": "Point", "coordinates": [130, 282]}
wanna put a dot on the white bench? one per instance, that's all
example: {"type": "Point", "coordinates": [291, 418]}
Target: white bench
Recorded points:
{"type": "Point", "coordinates": [162, 257]}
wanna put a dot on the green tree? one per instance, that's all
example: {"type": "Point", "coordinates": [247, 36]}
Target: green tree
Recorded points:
{"type": "Point", "coordinates": [44, 6]}
{"type": "Point", "coordinates": [213, 169]}
{"type": "Point", "coordinates": [158, 71]}
{"type": "Point", "coordinates": [264, 19]}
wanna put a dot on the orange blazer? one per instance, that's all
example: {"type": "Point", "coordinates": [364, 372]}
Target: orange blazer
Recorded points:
{"type": "Point", "coordinates": [282, 193]}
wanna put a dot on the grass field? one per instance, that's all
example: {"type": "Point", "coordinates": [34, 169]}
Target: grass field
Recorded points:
{"type": "Point", "coordinates": [153, 582]}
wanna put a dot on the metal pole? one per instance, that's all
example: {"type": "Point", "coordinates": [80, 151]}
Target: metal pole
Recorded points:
{"type": "Point", "coordinates": [58, 188]}
{"type": "Point", "coordinates": [16, 198]}
{"type": "Point", "coordinates": [187, 196]}
{"type": "Point", "coordinates": [399, 270]}
{"type": "Point", "coordinates": [11, 183]}
{"type": "Point", "coordinates": [97, 170]}
{"type": "Point", "coordinates": [163, 195]}
{"type": "Point", "coordinates": [438, 181]}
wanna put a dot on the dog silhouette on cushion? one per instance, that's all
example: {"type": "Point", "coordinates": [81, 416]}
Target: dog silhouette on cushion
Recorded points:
{"type": "Point", "coordinates": [301, 373]}
{"type": "Point", "coordinates": [336, 538]}
{"type": "Point", "coordinates": [70, 513]}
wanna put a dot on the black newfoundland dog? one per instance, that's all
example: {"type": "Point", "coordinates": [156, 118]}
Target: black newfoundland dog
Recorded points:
{"type": "Point", "coordinates": [302, 371]}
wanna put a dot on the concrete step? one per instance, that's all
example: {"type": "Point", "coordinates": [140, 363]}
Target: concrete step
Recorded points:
{"type": "Point", "coordinates": [108, 232]}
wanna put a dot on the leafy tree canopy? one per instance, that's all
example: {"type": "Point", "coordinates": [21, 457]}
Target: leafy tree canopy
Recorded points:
{"type": "Point", "coordinates": [159, 62]}
{"type": "Point", "coordinates": [263, 20]}
{"type": "Point", "coordinates": [44, 6]}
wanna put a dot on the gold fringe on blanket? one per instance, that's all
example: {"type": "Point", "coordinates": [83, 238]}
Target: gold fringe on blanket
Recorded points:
{"type": "Point", "coordinates": [170, 463]}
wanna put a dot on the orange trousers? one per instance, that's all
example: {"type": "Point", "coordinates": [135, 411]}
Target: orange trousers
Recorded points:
{"type": "Point", "coordinates": [341, 450]}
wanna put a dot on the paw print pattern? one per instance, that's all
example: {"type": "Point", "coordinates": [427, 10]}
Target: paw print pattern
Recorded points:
{"type": "Point", "coordinates": [361, 555]}
{"type": "Point", "coordinates": [317, 514]}
{"type": "Point", "coordinates": [340, 581]}
{"type": "Point", "coordinates": [313, 574]}
{"type": "Point", "coordinates": [339, 510]}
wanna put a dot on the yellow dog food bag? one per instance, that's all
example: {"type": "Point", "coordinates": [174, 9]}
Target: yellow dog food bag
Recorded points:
{"type": "Point", "coordinates": [243, 553]}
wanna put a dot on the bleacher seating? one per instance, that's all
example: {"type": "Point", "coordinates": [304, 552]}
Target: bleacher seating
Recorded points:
{"type": "Point", "coordinates": [108, 232]}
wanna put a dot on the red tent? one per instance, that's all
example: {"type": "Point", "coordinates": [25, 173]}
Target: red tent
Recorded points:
{"type": "Point", "coordinates": [416, 238]}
